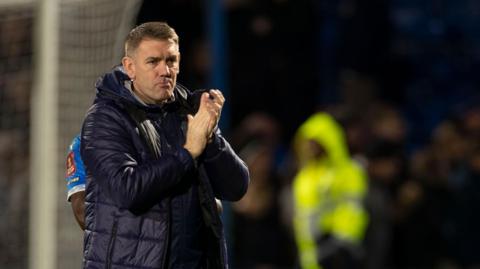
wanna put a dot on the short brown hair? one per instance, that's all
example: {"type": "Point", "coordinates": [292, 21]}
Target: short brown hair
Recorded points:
{"type": "Point", "coordinates": [149, 30]}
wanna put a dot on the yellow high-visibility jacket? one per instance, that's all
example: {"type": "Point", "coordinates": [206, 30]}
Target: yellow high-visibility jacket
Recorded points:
{"type": "Point", "coordinates": [328, 191]}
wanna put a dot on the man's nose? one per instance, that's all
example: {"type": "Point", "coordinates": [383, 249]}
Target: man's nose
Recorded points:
{"type": "Point", "coordinates": [163, 69]}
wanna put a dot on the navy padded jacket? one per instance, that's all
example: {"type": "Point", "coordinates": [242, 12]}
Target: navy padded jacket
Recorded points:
{"type": "Point", "coordinates": [151, 212]}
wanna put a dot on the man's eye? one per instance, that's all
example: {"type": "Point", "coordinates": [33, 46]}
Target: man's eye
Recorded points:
{"type": "Point", "coordinates": [152, 61]}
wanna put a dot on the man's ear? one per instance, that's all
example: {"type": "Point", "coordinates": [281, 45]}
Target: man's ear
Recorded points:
{"type": "Point", "coordinates": [129, 67]}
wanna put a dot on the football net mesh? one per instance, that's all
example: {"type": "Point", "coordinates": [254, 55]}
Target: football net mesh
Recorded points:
{"type": "Point", "coordinates": [91, 35]}
{"type": "Point", "coordinates": [16, 24]}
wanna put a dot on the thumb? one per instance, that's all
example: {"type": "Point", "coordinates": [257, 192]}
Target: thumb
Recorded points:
{"type": "Point", "coordinates": [204, 99]}
{"type": "Point", "coordinates": [189, 118]}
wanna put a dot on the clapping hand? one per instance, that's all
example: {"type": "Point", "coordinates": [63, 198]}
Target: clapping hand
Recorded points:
{"type": "Point", "coordinates": [202, 125]}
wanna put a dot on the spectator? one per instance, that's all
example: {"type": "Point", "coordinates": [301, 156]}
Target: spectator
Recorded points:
{"type": "Point", "coordinates": [330, 218]}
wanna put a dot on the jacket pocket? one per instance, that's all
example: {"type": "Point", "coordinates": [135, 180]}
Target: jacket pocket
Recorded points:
{"type": "Point", "coordinates": [111, 244]}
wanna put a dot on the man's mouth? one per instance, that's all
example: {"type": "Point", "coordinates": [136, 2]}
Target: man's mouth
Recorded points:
{"type": "Point", "coordinates": [164, 83]}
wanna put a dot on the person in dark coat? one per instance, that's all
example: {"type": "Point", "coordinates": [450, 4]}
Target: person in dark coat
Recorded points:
{"type": "Point", "coordinates": [156, 162]}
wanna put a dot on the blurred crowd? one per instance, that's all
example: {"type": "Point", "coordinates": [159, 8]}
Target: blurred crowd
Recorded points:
{"type": "Point", "coordinates": [422, 206]}
{"type": "Point", "coordinates": [396, 78]}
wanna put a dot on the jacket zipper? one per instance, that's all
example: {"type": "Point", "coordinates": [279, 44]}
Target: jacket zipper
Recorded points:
{"type": "Point", "coordinates": [111, 243]}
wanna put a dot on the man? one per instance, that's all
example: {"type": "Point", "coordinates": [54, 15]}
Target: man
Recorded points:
{"type": "Point", "coordinates": [155, 162]}
{"type": "Point", "coordinates": [75, 177]}
{"type": "Point", "coordinates": [328, 190]}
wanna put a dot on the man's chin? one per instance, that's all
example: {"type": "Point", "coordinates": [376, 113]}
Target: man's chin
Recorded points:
{"type": "Point", "coordinates": [170, 93]}
{"type": "Point", "coordinates": [166, 96]}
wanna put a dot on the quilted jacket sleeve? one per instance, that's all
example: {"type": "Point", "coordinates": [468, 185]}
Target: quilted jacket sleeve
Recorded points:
{"type": "Point", "coordinates": [111, 158]}
{"type": "Point", "coordinates": [228, 174]}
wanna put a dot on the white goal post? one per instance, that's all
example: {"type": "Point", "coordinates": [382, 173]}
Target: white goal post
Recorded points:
{"type": "Point", "coordinates": [43, 139]}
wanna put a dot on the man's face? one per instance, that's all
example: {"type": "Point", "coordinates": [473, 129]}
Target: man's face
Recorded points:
{"type": "Point", "coordinates": [153, 67]}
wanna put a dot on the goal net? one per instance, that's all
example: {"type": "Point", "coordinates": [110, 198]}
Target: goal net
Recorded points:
{"type": "Point", "coordinates": [90, 38]}
{"type": "Point", "coordinates": [15, 83]}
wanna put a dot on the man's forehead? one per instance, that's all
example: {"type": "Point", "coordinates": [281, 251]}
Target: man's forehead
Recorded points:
{"type": "Point", "coordinates": [156, 48]}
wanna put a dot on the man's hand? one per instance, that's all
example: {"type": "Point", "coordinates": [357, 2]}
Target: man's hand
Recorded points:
{"type": "Point", "coordinates": [203, 124]}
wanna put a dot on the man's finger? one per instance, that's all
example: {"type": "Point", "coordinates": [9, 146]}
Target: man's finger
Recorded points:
{"type": "Point", "coordinates": [217, 95]}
